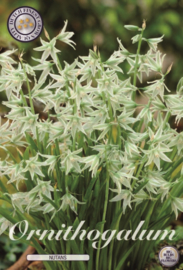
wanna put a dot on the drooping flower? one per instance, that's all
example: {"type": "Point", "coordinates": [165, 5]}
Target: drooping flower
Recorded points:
{"type": "Point", "coordinates": [69, 200]}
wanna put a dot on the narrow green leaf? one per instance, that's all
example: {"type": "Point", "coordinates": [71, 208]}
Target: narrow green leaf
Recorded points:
{"type": "Point", "coordinates": [31, 142]}
{"type": "Point", "coordinates": [124, 257]}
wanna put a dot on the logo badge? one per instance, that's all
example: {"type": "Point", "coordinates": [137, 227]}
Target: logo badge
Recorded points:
{"type": "Point", "coordinates": [25, 24]}
{"type": "Point", "coordinates": [168, 256]}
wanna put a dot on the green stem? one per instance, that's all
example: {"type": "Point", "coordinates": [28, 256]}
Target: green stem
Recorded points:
{"type": "Point", "coordinates": [29, 90]}
{"type": "Point", "coordinates": [59, 67]}
{"type": "Point", "coordinates": [23, 98]}
{"type": "Point", "coordinates": [140, 125]}
{"type": "Point", "coordinates": [68, 248]}
{"type": "Point", "coordinates": [103, 217]}
{"type": "Point", "coordinates": [66, 186]}
{"type": "Point", "coordinates": [31, 102]}
{"type": "Point", "coordinates": [13, 158]}
{"type": "Point", "coordinates": [110, 109]}
{"type": "Point", "coordinates": [167, 117]}
{"type": "Point", "coordinates": [139, 170]}
{"type": "Point", "coordinates": [74, 139]}
{"type": "Point", "coordinates": [136, 64]}
{"type": "Point", "coordinates": [58, 171]}
{"type": "Point", "coordinates": [118, 207]}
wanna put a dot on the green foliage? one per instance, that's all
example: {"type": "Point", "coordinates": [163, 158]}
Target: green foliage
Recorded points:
{"type": "Point", "coordinates": [9, 251]}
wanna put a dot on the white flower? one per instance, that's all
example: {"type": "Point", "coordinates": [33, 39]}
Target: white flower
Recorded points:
{"type": "Point", "coordinates": [124, 195]}
{"type": "Point", "coordinates": [65, 36]}
{"type": "Point", "coordinates": [42, 187]}
{"type": "Point", "coordinates": [50, 161]}
{"type": "Point", "coordinates": [71, 161]}
{"type": "Point", "coordinates": [5, 59]}
{"type": "Point", "coordinates": [71, 201]}
{"type": "Point", "coordinates": [48, 48]}
{"type": "Point", "coordinates": [90, 66]}
{"type": "Point", "coordinates": [125, 120]}
{"type": "Point", "coordinates": [45, 67]}
{"type": "Point", "coordinates": [157, 63]}
{"type": "Point", "coordinates": [153, 42]}
{"type": "Point", "coordinates": [92, 162]}
{"type": "Point", "coordinates": [177, 204]}
{"type": "Point", "coordinates": [156, 88]}
{"type": "Point", "coordinates": [12, 80]}
{"type": "Point", "coordinates": [33, 167]}
{"type": "Point", "coordinates": [156, 153]}
{"type": "Point", "coordinates": [4, 225]}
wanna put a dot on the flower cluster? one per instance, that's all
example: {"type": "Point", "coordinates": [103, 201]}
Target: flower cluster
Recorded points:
{"type": "Point", "coordinates": [92, 144]}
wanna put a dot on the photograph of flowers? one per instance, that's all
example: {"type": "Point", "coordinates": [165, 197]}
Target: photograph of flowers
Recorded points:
{"type": "Point", "coordinates": [91, 135]}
